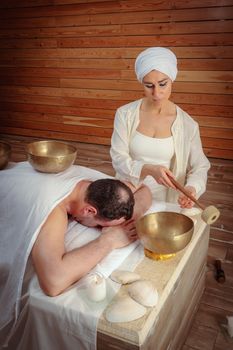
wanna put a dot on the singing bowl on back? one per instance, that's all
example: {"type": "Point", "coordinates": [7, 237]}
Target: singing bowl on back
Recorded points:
{"type": "Point", "coordinates": [51, 156]}
{"type": "Point", "coordinates": [165, 232]}
{"type": "Point", "coordinates": [5, 152]}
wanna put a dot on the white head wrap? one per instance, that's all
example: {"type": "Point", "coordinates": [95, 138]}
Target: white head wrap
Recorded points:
{"type": "Point", "coordinates": [156, 58]}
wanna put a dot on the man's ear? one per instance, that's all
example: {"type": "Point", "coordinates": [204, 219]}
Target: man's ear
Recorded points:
{"type": "Point", "coordinates": [89, 210]}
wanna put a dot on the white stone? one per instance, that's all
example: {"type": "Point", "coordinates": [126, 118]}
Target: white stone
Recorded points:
{"type": "Point", "coordinates": [124, 277]}
{"type": "Point", "coordinates": [124, 309]}
{"type": "Point", "coordinates": [143, 292]}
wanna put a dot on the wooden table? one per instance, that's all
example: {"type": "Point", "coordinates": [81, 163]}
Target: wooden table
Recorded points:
{"type": "Point", "coordinates": [180, 282]}
{"type": "Point", "coordinates": [52, 323]}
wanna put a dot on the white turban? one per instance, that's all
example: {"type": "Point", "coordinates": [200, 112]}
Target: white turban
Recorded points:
{"type": "Point", "coordinates": [156, 58]}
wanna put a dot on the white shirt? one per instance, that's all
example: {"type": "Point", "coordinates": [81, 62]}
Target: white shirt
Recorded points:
{"type": "Point", "coordinates": [189, 164]}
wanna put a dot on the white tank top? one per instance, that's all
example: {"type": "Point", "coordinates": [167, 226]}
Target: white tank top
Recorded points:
{"type": "Point", "coordinates": [152, 150]}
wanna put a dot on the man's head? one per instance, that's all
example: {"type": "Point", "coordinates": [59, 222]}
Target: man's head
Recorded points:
{"type": "Point", "coordinates": [111, 198]}
{"type": "Point", "coordinates": [109, 201]}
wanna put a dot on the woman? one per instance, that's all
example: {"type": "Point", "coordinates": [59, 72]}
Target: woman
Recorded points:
{"type": "Point", "coordinates": [154, 139]}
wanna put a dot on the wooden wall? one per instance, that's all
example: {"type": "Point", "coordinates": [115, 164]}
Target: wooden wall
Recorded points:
{"type": "Point", "coordinates": [66, 65]}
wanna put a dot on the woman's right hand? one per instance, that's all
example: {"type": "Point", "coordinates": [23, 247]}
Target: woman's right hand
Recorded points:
{"type": "Point", "coordinates": [160, 173]}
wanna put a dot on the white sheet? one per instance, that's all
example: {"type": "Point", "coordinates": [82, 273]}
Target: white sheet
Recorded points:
{"type": "Point", "coordinates": [20, 225]}
{"type": "Point", "coordinates": [24, 206]}
{"type": "Point", "coordinates": [70, 320]}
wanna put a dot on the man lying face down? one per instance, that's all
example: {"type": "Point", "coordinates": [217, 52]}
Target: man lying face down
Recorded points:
{"type": "Point", "coordinates": [104, 203]}
{"type": "Point", "coordinates": [34, 213]}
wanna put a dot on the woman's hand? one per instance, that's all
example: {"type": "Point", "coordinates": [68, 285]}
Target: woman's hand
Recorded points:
{"type": "Point", "coordinates": [184, 201]}
{"type": "Point", "coordinates": [160, 173]}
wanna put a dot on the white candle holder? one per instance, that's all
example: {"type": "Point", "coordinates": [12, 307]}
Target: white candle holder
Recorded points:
{"type": "Point", "coordinates": [96, 287]}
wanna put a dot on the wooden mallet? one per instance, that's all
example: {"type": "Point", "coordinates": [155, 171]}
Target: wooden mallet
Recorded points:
{"type": "Point", "coordinates": [209, 214]}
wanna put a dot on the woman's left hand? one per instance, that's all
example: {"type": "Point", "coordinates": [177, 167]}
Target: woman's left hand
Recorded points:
{"type": "Point", "coordinates": [184, 201]}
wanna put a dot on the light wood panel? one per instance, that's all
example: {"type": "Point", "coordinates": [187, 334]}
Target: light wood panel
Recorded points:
{"type": "Point", "coordinates": [66, 65]}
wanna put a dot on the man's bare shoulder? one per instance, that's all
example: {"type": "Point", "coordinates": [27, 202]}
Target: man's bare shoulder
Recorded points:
{"type": "Point", "coordinates": [58, 211]}
{"type": "Point", "coordinates": [55, 224]}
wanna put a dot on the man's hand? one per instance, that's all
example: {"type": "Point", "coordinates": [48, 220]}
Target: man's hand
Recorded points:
{"type": "Point", "coordinates": [121, 235]}
{"type": "Point", "coordinates": [184, 201]}
{"type": "Point", "coordinates": [57, 269]}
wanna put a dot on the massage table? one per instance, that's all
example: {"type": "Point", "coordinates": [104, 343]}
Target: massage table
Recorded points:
{"type": "Point", "coordinates": [54, 323]}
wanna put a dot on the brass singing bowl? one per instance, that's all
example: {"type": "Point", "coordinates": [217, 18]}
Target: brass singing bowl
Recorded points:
{"type": "Point", "coordinates": [5, 152]}
{"type": "Point", "coordinates": [165, 232]}
{"type": "Point", "coordinates": [51, 156]}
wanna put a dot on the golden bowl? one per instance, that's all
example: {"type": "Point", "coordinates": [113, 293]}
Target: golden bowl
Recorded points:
{"type": "Point", "coordinates": [51, 156]}
{"type": "Point", "coordinates": [5, 152]}
{"type": "Point", "coordinates": [165, 232]}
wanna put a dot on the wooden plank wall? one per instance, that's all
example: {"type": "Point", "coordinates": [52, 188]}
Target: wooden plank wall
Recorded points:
{"type": "Point", "coordinates": [66, 65]}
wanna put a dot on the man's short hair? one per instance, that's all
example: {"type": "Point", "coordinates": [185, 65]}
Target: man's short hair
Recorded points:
{"type": "Point", "coordinates": [111, 198]}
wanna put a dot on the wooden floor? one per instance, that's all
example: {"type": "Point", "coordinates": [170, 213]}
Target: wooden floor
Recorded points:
{"type": "Point", "coordinates": [208, 328]}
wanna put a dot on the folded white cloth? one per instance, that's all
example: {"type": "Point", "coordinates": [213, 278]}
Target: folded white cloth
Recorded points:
{"type": "Point", "coordinates": [156, 58]}
{"type": "Point", "coordinates": [26, 199]}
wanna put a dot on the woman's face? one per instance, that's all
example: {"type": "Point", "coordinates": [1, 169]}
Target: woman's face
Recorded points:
{"type": "Point", "coordinates": [157, 87]}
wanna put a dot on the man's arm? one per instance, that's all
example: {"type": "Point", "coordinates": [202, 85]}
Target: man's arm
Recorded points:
{"type": "Point", "coordinates": [57, 269]}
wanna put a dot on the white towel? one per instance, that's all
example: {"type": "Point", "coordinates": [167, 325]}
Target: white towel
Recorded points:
{"type": "Point", "coordinates": [79, 235]}
{"type": "Point", "coordinates": [24, 206]}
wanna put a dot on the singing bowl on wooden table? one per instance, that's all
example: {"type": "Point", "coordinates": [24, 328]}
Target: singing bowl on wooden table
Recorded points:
{"type": "Point", "coordinates": [51, 156]}
{"type": "Point", "coordinates": [163, 234]}
{"type": "Point", "coordinates": [5, 152]}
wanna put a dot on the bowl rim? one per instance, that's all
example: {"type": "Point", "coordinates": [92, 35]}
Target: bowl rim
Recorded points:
{"type": "Point", "coordinates": [163, 212]}
{"type": "Point", "coordinates": [73, 152]}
